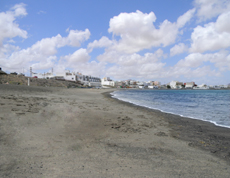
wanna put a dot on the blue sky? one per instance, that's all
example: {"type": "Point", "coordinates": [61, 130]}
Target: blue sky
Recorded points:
{"type": "Point", "coordinates": [164, 40]}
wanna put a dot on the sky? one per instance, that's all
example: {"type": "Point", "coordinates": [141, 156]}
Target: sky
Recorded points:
{"type": "Point", "coordinates": [144, 40]}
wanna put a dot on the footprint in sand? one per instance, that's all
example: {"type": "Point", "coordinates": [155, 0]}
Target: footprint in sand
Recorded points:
{"type": "Point", "coordinates": [161, 134]}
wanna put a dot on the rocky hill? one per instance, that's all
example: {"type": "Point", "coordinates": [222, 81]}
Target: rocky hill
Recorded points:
{"type": "Point", "coordinates": [23, 80]}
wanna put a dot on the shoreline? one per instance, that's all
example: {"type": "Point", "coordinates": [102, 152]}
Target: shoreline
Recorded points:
{"type": "Point", "coordinates": [207, 135]}
{"type": "Point", "coordinates": [219, 125]}
{"type": "Point", "coordinates": [212, 122]}
{"type": "Point", "coordinates": [58, 132]}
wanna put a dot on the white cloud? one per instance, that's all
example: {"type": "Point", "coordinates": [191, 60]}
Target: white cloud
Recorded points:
{"type": "Point", "coordinates": [132, 32]}
{"type": "Point", "coordinates": [19, 10]}
{"type": "Point", "coordinates": [190, 74]}
{"type": "Point", "coordinates": [79, 56]}
{"type": "Point", "coordinates": [213, 36]}
{"type": "Point", "coordinates": [79, 62]}
{"type": "Point", "coordinates": [40, 54]}
{"type": "Point", "coordinates": [8, 27]}
{"type": "Point", "coordinates": [47, 46]}
{"type": "Point", "coordinates": [103, 42]}
{"type": "Point", "coordinates": [75, 37]}
{"type": "Point", "coordinates": [137, 32]}
{"type": "Point", "coordinates": [191, 61]}
{"type": "Point", "coordinates": [193, 67]}
{"type": "Point", "coordinates": [7, 49]}
{"type": "Point", "coordinates": [183, 19]}
{"type": "Point", "coordinates": [124, 22]}
{"type": "Point", "coordinates": [41, 12]}
{"type": "Point", "coordinates": [109, 56]}
{"type": "Point", "coordinates": [93, 68]}
{"type": "Point", "coordinates": [208, 9]}
{"type": "Point", "coordinates": [222, 24]}
{"type": "Point", "coordinates": [122, 73]}
{"type": "Point", "coordinates": [221, 60]}
{"type": "Point", "coordinates": [45, 64]}
{"type": "Point", "coordinates": [178, 49]}
{"type": "Point", "coordinates": [138, 60]}
{"type": "Point", "coordinates": [113, 56]}
{"type": "Point", "coordinates": [134, 65]}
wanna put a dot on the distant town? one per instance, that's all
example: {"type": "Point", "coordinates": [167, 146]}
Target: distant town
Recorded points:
{"type": "Point", "coordinates": [107, 82]}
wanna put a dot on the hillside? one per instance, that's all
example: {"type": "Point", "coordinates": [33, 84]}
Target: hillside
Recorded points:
{"type": "Point", "coordinates": [23, 80]}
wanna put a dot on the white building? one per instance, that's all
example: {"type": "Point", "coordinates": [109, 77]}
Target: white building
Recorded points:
{"type": "Point", "coordinates": [224, 86]}
{"type": "Point", "coordinates": [189, 84]}
{"type": "Point", "coordinates": [176, 84]}
{"type": "Point", "coordinates": [107, 82]}
{"type": "Point", "coordinates": [153, 84]}
{"type": "Point", "coordinates": [119, 84]}
{"type": "Point", "coordinates": [142, 85]}
{"type": "Point", "coordinates": [157, 83]}
{"type": "Point", "coordinates": [202, 87]}
{"type": "Point", "coordinates": [153, 87]}
{"type": "Point", "coordinates": [133, 82]}
{"type": "Point", "coordinates": [42, 76]}
{"type": "Point", "coordinates": [67, 75]}
{"type": "Point", "coordinates": [94, 81]}
{"type": "Point", "coordinates": [88, 80]}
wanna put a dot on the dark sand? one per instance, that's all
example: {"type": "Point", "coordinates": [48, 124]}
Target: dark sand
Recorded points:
{"type": "Point", "coordinates": [55, 132]}
{"type": "Point", "coordinates": [200, 134]}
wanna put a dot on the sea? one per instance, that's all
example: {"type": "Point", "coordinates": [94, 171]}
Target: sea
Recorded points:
{"type": "Point", "coordinates": [207, 105]}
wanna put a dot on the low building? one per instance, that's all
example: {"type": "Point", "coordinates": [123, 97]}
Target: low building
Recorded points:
{"type": "Point", "coordinates": [202, 86]}
{"type": "Point", "coordinates": [133, 82]}
{"type": "Point", "coordinates": [119, 84]}
{"type": "Point", "coordinates": [107, 82]}
{"type": "Point", "coordinates": [164, 86]}
{"type": "Point", "coordinates": [67, 75]}
{"type": "Point", "coordinates": [150, 83]}
{"type": "Point", "coordinates": [189, 84]}
{"type": "Point", "coordinates": [216, 87]}
{"type": "Point", "coordinates": [176, 85]}
{"type": "Point", "coordinates": [154, 84]}
{"type": "Point", "coordinates": [42, 76]}
{"type": "Point", "coordinates": [153, 87]}
{"type": "Point", "coordinates": [142, 85]}
{"type": "Point", "coordinates": [157, 83]}
{"type": "Point", "coordinates": [223, 86]}
{"type": "Point", "coordinates": [88, 80]}
{"type": "Point", "coordinates": [94, 81]}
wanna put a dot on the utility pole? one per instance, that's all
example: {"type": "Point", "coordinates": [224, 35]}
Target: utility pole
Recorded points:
{"type": "Point", "coordinates": [30, 71]}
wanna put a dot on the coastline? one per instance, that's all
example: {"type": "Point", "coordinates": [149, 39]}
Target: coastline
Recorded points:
{"type": "Point", "coordinates": [56, 132]}
{"type": "Point", "coordinates": [199, 133]}
{"type": "Point", "coordinates": [177, 114]}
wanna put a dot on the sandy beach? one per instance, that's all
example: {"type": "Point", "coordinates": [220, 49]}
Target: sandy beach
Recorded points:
{"type": "Point", "coordinates": [60, 132]}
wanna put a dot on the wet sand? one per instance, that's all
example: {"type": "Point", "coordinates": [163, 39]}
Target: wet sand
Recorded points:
{"type": "Point", "coordinates": [56, 132]}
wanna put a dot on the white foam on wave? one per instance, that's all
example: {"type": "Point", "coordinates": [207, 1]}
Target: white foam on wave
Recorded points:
{"type": "Point", "coordinates": [113, 95]}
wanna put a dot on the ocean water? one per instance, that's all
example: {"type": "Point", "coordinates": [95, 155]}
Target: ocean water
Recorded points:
{"type": "Point", "coordinates": [208, 105]}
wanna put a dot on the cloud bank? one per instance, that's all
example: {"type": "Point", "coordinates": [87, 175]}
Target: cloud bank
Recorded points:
{"type": "Point", "coordinates": [138, 48]}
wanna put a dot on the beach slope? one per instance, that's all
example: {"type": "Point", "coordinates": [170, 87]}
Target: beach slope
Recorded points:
{"type": "Point", "coordinates": [57, 132]}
